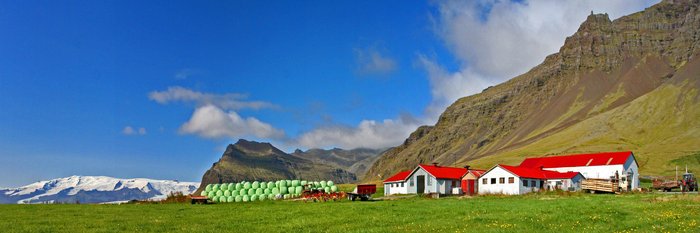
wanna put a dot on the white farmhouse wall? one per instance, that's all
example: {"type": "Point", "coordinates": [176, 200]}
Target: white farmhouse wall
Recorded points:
{"type": "Point", "coordinates": [497, 188]}
{"type": "Point", "coordinates": [431, 185]}
{"type": "Point", "coordinates": [605, 171]}
{"type": "Point", "coordinates": [396, 189]}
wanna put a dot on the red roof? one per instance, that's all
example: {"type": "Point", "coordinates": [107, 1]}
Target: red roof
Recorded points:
{"type": "Point", "coordinates": [476, 172]}
{"type": "Point", "coordinates": [580, 160]}
{"type": "Point", "coordinates": [440, 172]}
{"type": "Point", "coordinates": [525, 172]}
{"type": "Point", "coordinates": [401, 176]}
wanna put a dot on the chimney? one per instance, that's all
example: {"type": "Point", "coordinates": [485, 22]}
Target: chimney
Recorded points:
{"type": "Point", "coordinates": [435, 164]}
{"type": "Point", "coordinates": [466, 167]}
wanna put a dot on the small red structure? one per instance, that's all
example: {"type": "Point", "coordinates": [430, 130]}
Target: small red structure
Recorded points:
{"type": "Point", "coordinates": [363, 191]}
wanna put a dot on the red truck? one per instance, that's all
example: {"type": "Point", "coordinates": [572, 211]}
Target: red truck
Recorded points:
{"type": "Point", "coordinates": [362, 191]}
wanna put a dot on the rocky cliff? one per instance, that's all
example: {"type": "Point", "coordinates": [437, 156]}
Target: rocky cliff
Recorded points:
{"type": "Point", "coordinates": [608, 88]}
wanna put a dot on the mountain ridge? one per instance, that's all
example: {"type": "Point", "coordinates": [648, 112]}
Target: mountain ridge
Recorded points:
{"type": "Point", "coordinates": [602, 67]}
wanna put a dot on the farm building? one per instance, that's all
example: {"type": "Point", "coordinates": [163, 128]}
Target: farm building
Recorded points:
{"type": "Point", "coordinates": [597, 166]}
{"type": "Point", "coordinates": [470, 184]}
{"type": "Point", "coordinates": [511, 180]}
{"type": "Point", "coordinates": [396, 184]}
{"type": "Point", "coordinates": [435, 179]}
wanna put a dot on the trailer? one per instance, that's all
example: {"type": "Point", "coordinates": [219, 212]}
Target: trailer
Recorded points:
{"type": "Point", "coordinates": [363, 192]}
{"type": "Point", "coordinates": [665, 186]}
{"type": "Point", "coordinates": [601, 185]}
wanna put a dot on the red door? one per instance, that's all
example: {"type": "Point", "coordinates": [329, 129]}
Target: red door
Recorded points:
{"type": "Point", "coordinates": [470, 183]}
{"type": "Point", "coordinates": [464, 187]}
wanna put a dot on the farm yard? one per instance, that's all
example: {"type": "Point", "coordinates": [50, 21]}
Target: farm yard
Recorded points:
{"type": "Point", "coordinates": [561, 212]}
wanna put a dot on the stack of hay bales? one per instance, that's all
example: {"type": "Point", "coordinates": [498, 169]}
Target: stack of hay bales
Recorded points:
{"type": "Point", "coordinates": [261, 191]}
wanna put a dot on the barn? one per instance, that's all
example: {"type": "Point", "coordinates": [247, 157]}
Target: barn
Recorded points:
{"type": "Point", "coordinates": [470, 184]}
{"type": "Point", "coordinates": [435, 179]}
{"type": "Point", "coordinates": [396, 184]}
{"type": "Point", "coordinates": [603, 165]}
{"type": "Point", "coordinates": [512, 180]}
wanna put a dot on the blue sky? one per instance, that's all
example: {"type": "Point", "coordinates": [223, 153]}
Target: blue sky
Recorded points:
{"type": "Point", "coordinates": [157, 89]}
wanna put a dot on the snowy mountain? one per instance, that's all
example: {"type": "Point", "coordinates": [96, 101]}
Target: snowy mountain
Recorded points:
{"type": "Point", "coordinates": [94, 189]}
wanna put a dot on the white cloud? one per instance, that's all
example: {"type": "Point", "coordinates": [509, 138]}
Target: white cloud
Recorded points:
{"type": "Point", "coordinates": [371, 62]}
{"type": "Point", "coordinates": [368, 134]}
{"type": "Point", "coordinates": [210, 121]}
{"type": "Point", "coordinates": [507, 41]}
{"type": "Point", "coordinates": [228, 101]}
{"type": "Point", "coordinates": [128, 130]}
{"type": "Point", "coordinates": [184, 73]}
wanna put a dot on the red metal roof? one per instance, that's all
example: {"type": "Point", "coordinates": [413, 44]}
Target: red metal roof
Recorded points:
{"type": "Point", "coordinates": [401, 176]}
{"type": "Point", "coordinates": [525, 172]}
{"type": "Point", "coordinates": [441, 172]}
{"type": "Point", "coordinates": [579, 160]}
{"type": "Point", "coordinates": [476, 172]}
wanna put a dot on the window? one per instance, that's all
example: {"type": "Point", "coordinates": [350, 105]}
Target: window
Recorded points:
{"type": "Point", "coordinates": [533, 183]}
{"type": "Point", "coordinates": [493, 180]}
{"type": "Point", "coordinates": [501, 180]}
{"type": "Point", "coordinates": [454, 183]}
{"type": "Point", "coordinates": [484, 181]}
{"type": "Point", "coordinates": [511, 180]}
{"type": "Point", "coordinates": [525, 182]}
{"type": "Point", "coordinates": [430, 181]}
{"type": "Point", "coordinates": [391, 185]}
{"type": "Point", "coordinates": [401, 184]}
{"type": "Point", "coordinates": [411, 182]}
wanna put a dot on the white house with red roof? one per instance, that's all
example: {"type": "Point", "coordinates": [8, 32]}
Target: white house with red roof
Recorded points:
{"type": "Point", "coordinates": [435, 179]}
{"type": "Point", "coordinates": [397, 183]}
{"type": "Point", "coordinates": [606, 165]}
{"type": "Point", "coordinates": [511, 180]}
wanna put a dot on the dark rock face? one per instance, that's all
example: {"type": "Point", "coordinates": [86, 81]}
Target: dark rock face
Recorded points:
{"type": "Point", "coordinates": [632, 56]}
{"type": "Point", "coordinates": [249, 160]}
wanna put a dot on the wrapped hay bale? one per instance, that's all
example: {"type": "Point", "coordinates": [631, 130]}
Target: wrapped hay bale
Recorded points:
{"type": "Point", "coordinates": [334, 188]}
{"type": "Point", "coordinates": [295, 183]}
{"type": "Point", "coordinates": [317, 184]}
{"type": "Point", "coordinates": [204, 193]}
{"type": "Point", "coordinates": [246, 198]}
{"type": "Point", "coordinates": [286, 196]}
{"type": "Point", "coordinates": [230, 199]}
{"type": "Point", "coordinates": [330, 183]}
{"type": "Point", "coordinates": [215, 187]}
{"type": "Point", "coordinates": [262, 197]}
{"type": "Point", "coordinates": [323, 184]}
{"type": "Point", "coordinates": [219, 193]}
{"type": "Point", "coordinates": [298, 190]}
{"type": "Point", "coordinates": [246, 185]}
{"type": "Point", "coordinates": [270, 184]}
{"type": "Point", "coordinates": [208, 188]}
{"type": "Point", "coordinates": [253, 197]}
{"type": "Point", "coordinates": [271, 196]}
{"type": "Point", "coordinates": [284, 190]}
{"type": "Point", "coordinates": [239, 186]}
{"type": "Point", "coordinates": [303, 183]}
{"type": "Point", "coordinates": [275, 191]}
{"type": "Point", "coordinates": [242, 192]}
{"type": "Point", "coordinates": [263, 185]}
{"type": "Point", "coordinates": [291, 190]}
{"type": "Point", "coordinates": [227, 193]}
{"type": "Point", "coordinates": [267, 191]}
{"type": "Point", "coordinates": [327, 189]}
{"type": "Point", "coordinates": [251, 192]}
{"type": "Point", "coordinates": [239, 198]}
{"type": "Point", "coordinates": [255, 185]}
{"type": "Point", "coordinates": [259, 191]}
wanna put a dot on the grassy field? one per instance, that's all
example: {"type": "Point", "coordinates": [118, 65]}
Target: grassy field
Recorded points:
{"type": "Point", "coordinates": [531, 213]}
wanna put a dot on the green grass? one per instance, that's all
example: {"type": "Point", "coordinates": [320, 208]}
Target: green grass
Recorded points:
{"type": "Point", "coordinates": [531, 213]}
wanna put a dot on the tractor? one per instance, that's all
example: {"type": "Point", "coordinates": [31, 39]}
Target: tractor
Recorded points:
{"type": "Point", "coordinates": [689, 183]}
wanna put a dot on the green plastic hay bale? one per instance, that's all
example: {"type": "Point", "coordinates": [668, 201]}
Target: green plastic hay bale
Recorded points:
{"type": "Point", "coordinates": [317, 184]}
{"type": "Point", "coordinates": [230, 199]}
{"type": "Point", "coordinates": [255, 185]}
{"type": "Point", "coordinates": [262, 197]}
{"type": "Point", "coordinates": [204, 193]}
{"type": "Point", "coordinates": [275, 191]}
{"type": "Point", "coordinates": [277, 184]}
{"type": "Point", "coordinates": [334, 188]}
{"type": "Point", "coordinates": [219, 193]}
{"type": "Point", "coordinates": [227, 193]}
{"type": "Point", "coordinates": [283, 184]}
{"type": "Point", "coordinates": [303, 183]}
{"type": "Point", "coordinates": [267, 191]}
{"type": "Point", "coordinates": [246, 185]}
{"type": "Point", "coordinates": [231, 187]}
{"type": "Point", "coordinates": [327, 189]}
{"type": "Point", "coordinates": [239, 186]}
{"type": "Point", "coordinates": [242, 192]}
{"type": "Point", "coordinates": [291, 190]}
{"type": "Point", "coordinates": [259, 191]}
{"type": "Point", "coordinates": [295, 183]}
{"type": "Point", "coordinates": [238, 198]}
{"type": "Point", "coordinates": [253, 197]}
{"type": "Point", "coordinates": [323, 183]}
{"type": "Point", "coordinates": [270, 184]}
{"type": "Point", "coordinates": [208, 188]}
{"type": "Point", "coordinates": [286, 196]}
{"type": "Point", "coordinates": [271, 196]}
{"type": "Point", "coordinates": [284, 191]}
{"type": "Point", "coordinates": [246, 198]}
{"type": "Point", "coordinates": [251, 192]}
{"type": "Point", "coordinates": [215, 187]}
{"type": "Point", "coordinates": [330, 183]}
{"type": "Point", "coordinates": [298, 190]}
{"type": "Point", "coordinates": [263, 185]}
